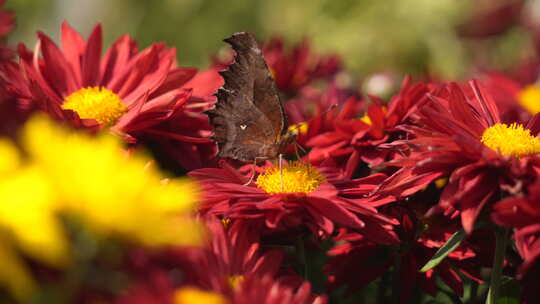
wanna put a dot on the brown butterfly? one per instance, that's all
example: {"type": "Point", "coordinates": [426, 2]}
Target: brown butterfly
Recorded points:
{"type": "Point", "coordinates": [248, 119]}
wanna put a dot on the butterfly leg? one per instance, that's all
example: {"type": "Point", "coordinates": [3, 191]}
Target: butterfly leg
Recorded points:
{"type": "Point", "coordinates": [298, 147]}
{"type": "Point", "coordinates": [252, 177]}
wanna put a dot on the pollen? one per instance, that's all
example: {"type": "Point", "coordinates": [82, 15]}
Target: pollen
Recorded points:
{"type": "Point", "coordinates": [513, 140]}
{"type": "Point", "coordinates": [298, 177]}
{"type": "Point", "coordinates": [235, 281]}
{"type": "Point", "coordinates": [529, 98]}
{"type": "Point", "coordinates": [96, 103]}
{"type": "Point", "coordinates": [441, 182]}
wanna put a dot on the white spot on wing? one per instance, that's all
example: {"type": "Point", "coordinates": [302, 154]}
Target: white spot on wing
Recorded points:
{"type": "Point", "coordinates": [243, 127]}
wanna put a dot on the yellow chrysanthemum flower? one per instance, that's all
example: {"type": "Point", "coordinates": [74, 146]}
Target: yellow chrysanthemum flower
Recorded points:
{"type": "Point", "coordinates": [91, 179]}
{"type": "Point", "coordinates": [110, 190]}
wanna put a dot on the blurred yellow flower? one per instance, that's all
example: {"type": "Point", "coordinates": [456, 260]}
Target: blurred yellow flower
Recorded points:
{"type": "Point", "coordinates": [28, 222]}
{"type": "Point", "coordinates": [115, 194]}
{"type": "Point", "coordinates": [192, 295]}
{"type": "Point", "coordinates": [113, 191]}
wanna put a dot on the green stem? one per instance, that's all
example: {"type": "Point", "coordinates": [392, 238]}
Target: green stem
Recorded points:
{"type": "Point", "coordinates": [501, 240]}
{"type": "Point", "coordinates": [301, 255]}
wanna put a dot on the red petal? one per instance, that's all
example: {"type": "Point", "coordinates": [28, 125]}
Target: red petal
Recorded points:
{"type": "Point", "coordinates": [91, 58]}
{"type": "Point", "coordinates": [56, 69]}
{"type": "Point", "coordinates": [73, 46]}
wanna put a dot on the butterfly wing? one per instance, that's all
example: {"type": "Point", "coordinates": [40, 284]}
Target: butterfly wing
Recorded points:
{"type": "Point", "coordinates": [248, 118]}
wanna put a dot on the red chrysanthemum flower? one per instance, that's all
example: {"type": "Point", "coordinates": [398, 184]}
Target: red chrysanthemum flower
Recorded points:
{"type": "Point", "coordinates": [516, 101]}
{"type": "Point", "coordinates": [299, 66]}
{"type": "Point", "coordinates": [184, 136]}
{"type": "Point", "coordinates": [363, 138]}
{"type": "Point", "coordinates": [232, 255]}
{"type": "Point", "coordinates": [488, 19]}
{"type": "Point", "coordinates": [234, 266]}
{"type": "Point", "coordinates": [299, 196]}
{"type": "Point", "coordinates": [312, 111]}
{"type": "Point", "coordinates": [126, 90]}
{"type": "Point", "coordinates": [461, 137]}
{"type": "Point", "coordinates": [264, 290]}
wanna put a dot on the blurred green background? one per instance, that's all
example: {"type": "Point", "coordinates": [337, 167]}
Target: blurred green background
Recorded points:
{"type": "Point", "coordinates": [403, 36]}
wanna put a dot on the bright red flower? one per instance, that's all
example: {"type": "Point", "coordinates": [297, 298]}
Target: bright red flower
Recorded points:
{"type": "Point", "coordinates": [127, 90]}
{"type": "Point", "coordinates": [461, 137]}
{"type": "Point", "coordinates": [363, 138]}
{"type": "Point", "coordinates": [305, 199]}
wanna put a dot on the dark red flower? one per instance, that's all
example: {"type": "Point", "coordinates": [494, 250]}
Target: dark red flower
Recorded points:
{"type": "Point", "coordinates": [420, 239]}
{"type": "Point", "coordinates": [528, 243]}
{"type": "Point", "coordinates": [154, 287]}
{"type": "Point", "coordinates": [460, 136]}
{"type": "Point", "coordinates": [184, 136]}
{"type": "Point", "coordinates": [7, 24]}
{"type": "Point", "coordinates": [489, 19]}
{"type": "Point", "coordinates": [264, 290]}
{"type": "Point", "coordinates": [517, 101]}
{"type": "Point", "coordinates": [232, 255]}
{"type": "Point", "coordinates": [295, 68]}
{"type": "Point", "coordinates": [523, 214]}
{"type": "Point", "coordinates": [312, 111]}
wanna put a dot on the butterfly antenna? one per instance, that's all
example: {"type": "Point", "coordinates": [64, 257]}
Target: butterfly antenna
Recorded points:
{"type": "Point", "coordinates": [298, 126]}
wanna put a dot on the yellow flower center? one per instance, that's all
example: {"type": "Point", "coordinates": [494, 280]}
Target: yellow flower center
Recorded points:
{"type": "Point", "coordinates": [298, 177]}
{"type": "Point", "coordinates": [299, 128]}
{"type": "Point", "coordinates": [97, 103]}
{"type": "Point", "coordinates": [510, 140]}
{"type": "Point", "coordinates": [529, 98]}
{"type": "Point", "coordinates": [192, 295]}
{"type": "Point", "coordinates": [441, 182]}
{"type": "Point", "coordinates": [366, 119]}
{"type": "Point", "coordinates": [225, 221]}
{"type": "Point", "coordinates": [235, 281]}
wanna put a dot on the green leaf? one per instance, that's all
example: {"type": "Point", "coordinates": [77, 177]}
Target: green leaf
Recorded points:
{"type": "Point", "coordinates": [445, 250]}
